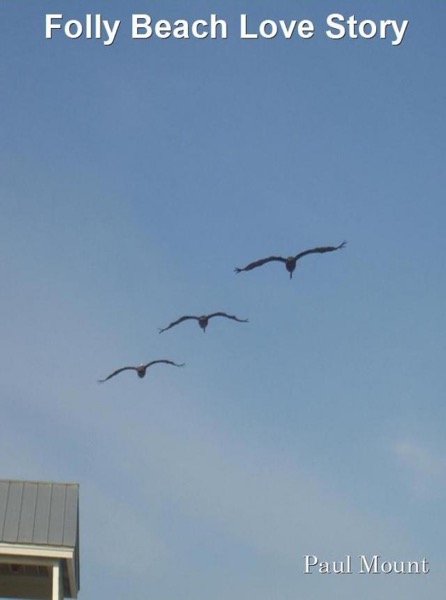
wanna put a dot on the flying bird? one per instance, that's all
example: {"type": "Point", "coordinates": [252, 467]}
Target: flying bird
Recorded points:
{"type": "Point", "coordinates": [141, 370]}
{"type": "Point", "coordinates": [203, 320]}
{"type": "Point", "coordinates": [290, 262]}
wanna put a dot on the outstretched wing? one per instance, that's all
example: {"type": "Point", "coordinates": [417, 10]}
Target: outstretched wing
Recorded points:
{"type": "Point", "coordinates": [180, 320]}
{"type": "Point", "coordinates": [116, 373]}
{"type": "Point", "coordinates": [259, 263]}
{"type": "Point", "coordinates": [222, 314]}
{"type": "Point", "coordinates": [320, 250]}
{"type": "Point", "coordinates": [167, 362]}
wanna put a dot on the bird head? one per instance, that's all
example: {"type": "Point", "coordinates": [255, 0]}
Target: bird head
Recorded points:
{"type": "Point", "coordinates": [203, 323]}
{"type": "Point", "coordinates": [290, 265]}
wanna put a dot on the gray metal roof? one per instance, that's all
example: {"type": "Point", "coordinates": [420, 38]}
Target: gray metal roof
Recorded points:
{"type": "Point", "coordinates": [39, 513]}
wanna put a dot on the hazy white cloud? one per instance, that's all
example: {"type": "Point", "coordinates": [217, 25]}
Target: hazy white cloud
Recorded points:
{"type": "Point", "coordinates": [124, 537]}
{"type": "Point", "coordinates": [261, 500]}
{"type": "Point", "coordinates": [426, 467]}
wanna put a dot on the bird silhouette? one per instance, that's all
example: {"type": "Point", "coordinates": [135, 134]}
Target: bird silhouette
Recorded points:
{"type": "Point", "coordinates": [203, 320]}
{"type": "Point", "coordinates": [141, 370]}
{"type": "Point", "coordinates": [290, 262]}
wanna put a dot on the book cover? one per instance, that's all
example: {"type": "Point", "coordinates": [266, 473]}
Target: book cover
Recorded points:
{"type": "Point", "coordinates": [231, 214]}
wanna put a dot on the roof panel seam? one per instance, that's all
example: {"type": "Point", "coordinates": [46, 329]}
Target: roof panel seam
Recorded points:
{"type": "Point", "coordinates": [2, 530]}
{"type": "Point", "coordinates": [49, 513]}
{"type": "Point", "coordinates": [20, 511]}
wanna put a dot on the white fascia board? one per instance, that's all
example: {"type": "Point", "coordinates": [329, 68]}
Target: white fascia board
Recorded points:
{"type": "Point", "coordinates": [33, 550]}
{"type": "Point", "coordinates": [41, 555]}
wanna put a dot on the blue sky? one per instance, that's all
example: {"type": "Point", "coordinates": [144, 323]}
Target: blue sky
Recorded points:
{"type": "Point", "coordinates": [133, 179]}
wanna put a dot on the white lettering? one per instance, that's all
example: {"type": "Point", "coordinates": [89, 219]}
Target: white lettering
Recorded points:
{"type": "Point", "coordinates": [399, 32]}
{"type": "Point", "coordinates": [366, 567]}
{"type": "Point", "coordinates": [269, 29]}
{"type": "Point", "coordinates": [371, 25]}
{"type": "Point", "coordinates": [306, 29]}
{"type": "Point", "coordinates": [366, 29]}
{"type": "Point", "coordinates": [310, 561]}
{"type": "Point", "coordinates": [163, 29]}
{"type": "Point", "coordinates": [268, 25]}
{"type": "Point", "coordinates": [332, 21]}
{"type": "Point", "coordinates": [244, 29]}
{"type": "Point", "coordinates": [49, 25]}
{"type": "Point", "coordinates": [196, 32]}
{"type": "Point", "coordinates": [141, 22]}
{"type": "Point", "coordinates": [217, 24]}
{"type": "Point", "coordinates": [77, 29]}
